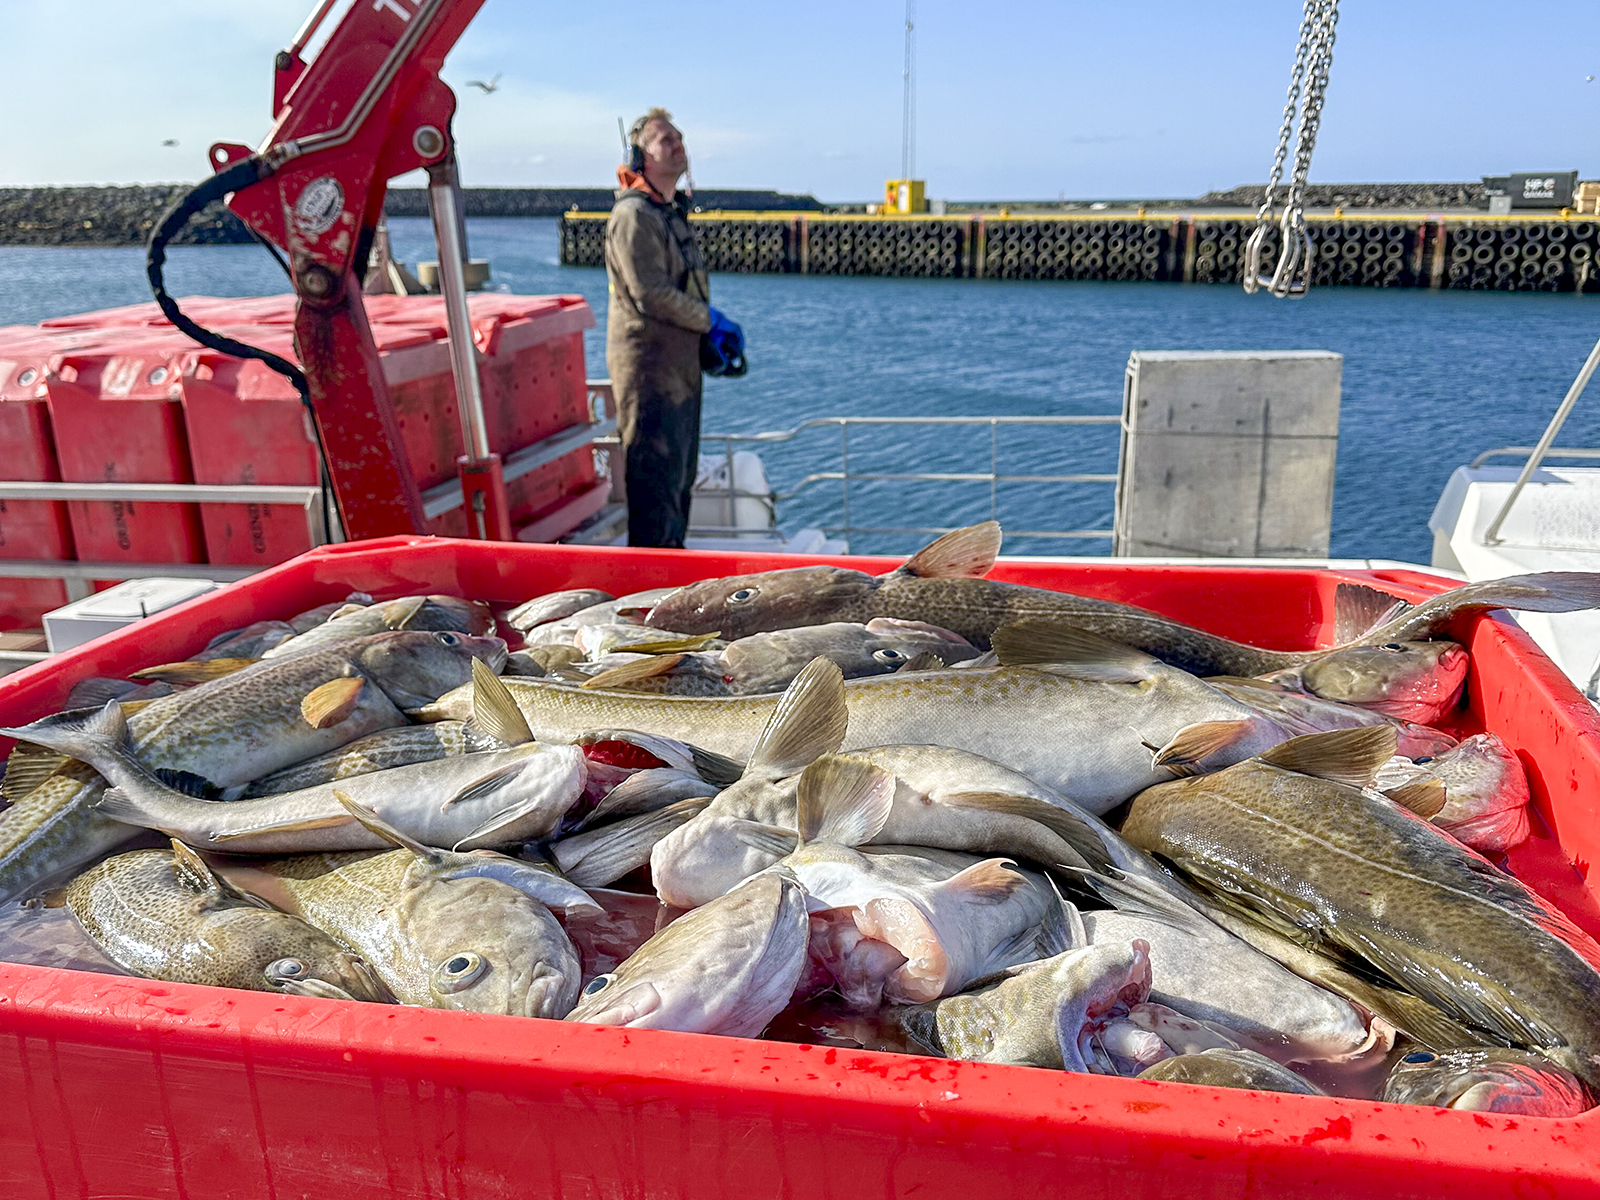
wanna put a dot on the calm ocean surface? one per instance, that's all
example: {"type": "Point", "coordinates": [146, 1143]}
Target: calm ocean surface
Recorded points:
{"type": "Point", "coordinates": [1430, 378]}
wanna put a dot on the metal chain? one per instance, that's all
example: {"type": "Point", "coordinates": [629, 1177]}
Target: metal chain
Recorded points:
{"type": "Point", "coordinates": [1291, 278]}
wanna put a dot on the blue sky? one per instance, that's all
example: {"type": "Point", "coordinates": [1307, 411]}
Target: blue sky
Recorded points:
{"type": "Point", "coordinates": [1026, 100]}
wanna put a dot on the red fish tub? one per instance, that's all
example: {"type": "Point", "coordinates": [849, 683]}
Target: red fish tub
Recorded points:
{"type": "Point", "coordinates": [126, 1087]}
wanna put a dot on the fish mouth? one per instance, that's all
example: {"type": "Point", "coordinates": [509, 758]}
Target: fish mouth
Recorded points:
{"type": "Point", "coordinates": [626, 1008]}
{"type": "Point", "coordinates": [860, 966]}
{"type": "Point", "coordinates": [1105, 1039]}
{"type": "Point", "coordinates": [550, 993]}
{"type": "Point", "coordinates": [925, 974]}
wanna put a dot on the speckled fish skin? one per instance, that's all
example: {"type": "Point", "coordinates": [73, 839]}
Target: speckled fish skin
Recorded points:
{"type": "Point", "coordinates": [1231, 1069]}
{"type": "Point", "coordinates": [55, 828]}
{"type": "Point", "coordinates": [236, 729]}
{"type": "Point", "coordinates": [1038, 1013]}
{"type": "Point", "coordinates": [410, 919]}
{"type": "Point", "coordinates": [398, 747]}
{"type": "Point", "coordinates": [1371, 881]}
{"type": "Point", "coordinates": [1088, 740]}
{"type": "Point", "coordinates": [1302, 713]}
{"type": "Point", "coordinates": [728, 967]}
{"type": "Point", "coordinates": [1488, 1079]}
{"type": "Point", "coordinates": [422, 614]}
{"type": "Point", "coordinates": [149, 921]}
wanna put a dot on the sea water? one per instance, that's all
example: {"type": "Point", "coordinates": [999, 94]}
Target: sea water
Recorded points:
{"type": "Point", "coordinates": [1431, 379]}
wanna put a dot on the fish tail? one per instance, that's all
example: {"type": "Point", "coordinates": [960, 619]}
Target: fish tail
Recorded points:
{"type": "Point", "coordinates": [604, 855]}
{"type": "Point", "coordinates": [1543, 591]}
{"type": "Point", "coordinates": [98, 737]}
{"type": "Point", "coordinates": [165, 812]}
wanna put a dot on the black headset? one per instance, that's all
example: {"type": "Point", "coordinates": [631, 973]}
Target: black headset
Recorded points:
{"type": "Point", "coordinates": [632, 152]}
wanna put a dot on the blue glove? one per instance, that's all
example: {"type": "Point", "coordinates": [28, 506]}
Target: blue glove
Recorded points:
{"type": "Point", "coordinates": [726, 333]}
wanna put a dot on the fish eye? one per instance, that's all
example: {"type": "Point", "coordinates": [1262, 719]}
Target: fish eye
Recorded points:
{"type": "Point", "coordinates": [889, 655]}
{"type": "Point", "coordinates": [1419, 1056]}
{"type": "Point", "coordinates": [743, 595]}
{"type": "Point", "coordinates": [287, 968]}
{"type": "Point", "coordinates": [599, 983]}
{"type": "Point", "coordinates": [1393, 647]}
{"type": "Point", "coordinates": [459, 970]}
{"type": "Point", "coordinates": [1426, 758]}
{"type": "Point", "coordinates": [448, 639]}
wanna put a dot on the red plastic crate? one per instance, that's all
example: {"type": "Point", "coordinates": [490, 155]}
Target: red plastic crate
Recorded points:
{"type": "Point", "coordinates": [133, 1088]}
{"type": "Point", "coordinates": [29, 529]}
{"type": "Point", "coordinates": [117, 418]}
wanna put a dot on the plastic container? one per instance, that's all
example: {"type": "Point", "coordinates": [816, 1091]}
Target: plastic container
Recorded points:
{"type": "Point", "coordinates": [29, 529]}
{"type": "Point", "coordinates": [127, 1087]}
{"type": "Point", "coordinates": [118, 418]}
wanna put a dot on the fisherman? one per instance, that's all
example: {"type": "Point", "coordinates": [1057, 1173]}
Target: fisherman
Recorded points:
{"type": "Point", "coordinates": [660, 317]}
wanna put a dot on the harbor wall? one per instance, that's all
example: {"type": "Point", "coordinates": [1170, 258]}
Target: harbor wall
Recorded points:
{"type": "Point", "coordinates": [1543, 252]}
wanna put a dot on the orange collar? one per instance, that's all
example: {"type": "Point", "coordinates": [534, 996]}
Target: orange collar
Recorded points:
{"type": "Point", "coordinates": [635, 181]}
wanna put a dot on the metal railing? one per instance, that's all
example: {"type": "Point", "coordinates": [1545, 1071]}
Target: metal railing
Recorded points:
{"type": "Point", "coordinates": [844, 476]}
{"type": "Point", "coordinates": [1552, 452]}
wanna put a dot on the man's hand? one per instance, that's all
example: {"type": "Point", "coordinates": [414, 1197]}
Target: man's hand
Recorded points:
{"type": "Point", "coordinates": [727, 333]}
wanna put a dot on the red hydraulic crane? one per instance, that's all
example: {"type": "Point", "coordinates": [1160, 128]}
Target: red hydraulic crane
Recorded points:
{"type": "Point", "coordinates": [369, 106]}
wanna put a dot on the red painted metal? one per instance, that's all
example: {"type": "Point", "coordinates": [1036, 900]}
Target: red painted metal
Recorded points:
{"type": "Point", "coordinates": [483, 490]}
{"type": "Point", "coordinates": [369, 107]}
{"type": "Point", "coordinates": [248, 1094]}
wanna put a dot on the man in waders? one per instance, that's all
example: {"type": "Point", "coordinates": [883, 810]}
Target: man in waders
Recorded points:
{"type": "Point", "coordinates": [660, 310]}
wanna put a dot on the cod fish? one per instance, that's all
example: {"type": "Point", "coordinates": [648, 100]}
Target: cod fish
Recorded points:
{"type": "Point", "coordinates": [769, 662]}
{"type": "Point", "coordinates": [163, 914]}
{"type": "Point", "coordinates": [728, 967]}
{"type": "Point", "coordinates": [420, 613]}
{"type": "Point", "coordinates": [1485, 792]}
{"type": "Point", "coordinates": [1293, 836]}
{"type": "Point", "coordinates": [1231, 1069]}
{"type": "Point", "coordinates": [1053, 1013]}
{"type": "Point", "coordinates": [54, 828]}
{"type": "Point", "coordinates": [943, 585]}
{"type": "Point", "coordinates": [485, 799]}
{"type": "Point", "coordinates": [554, 606]}
{"type": "Point", "coordinates": [902, 923]}
{"type": "Point", "coordinates": [1073, 712]}
{"type": "Point", "coordinates": [1301, 713]}
{"type": "Point", "coordinates": [625, 610]}
{"type": "Point", "coordinates": [231, 731]}
{"type": "Point", "coordinates": [1487, 1079]}
{"type": "Point", "coordinates": [444, 930]}
{"type": "Point", "coordinates": [1410, 681]}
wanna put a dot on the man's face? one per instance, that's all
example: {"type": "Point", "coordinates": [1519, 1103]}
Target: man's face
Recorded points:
{"type": "Point", "coordinates": [663, 147]}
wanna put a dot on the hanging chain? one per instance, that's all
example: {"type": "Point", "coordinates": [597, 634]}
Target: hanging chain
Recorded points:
{"type": "Point", "coordinates": [1291, 278]}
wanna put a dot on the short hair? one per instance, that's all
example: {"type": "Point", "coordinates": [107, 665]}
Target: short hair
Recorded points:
{"type": "Point", "coordinates": [636, 130]}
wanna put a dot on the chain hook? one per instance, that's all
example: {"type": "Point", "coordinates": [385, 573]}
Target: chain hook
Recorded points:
{"type": "Point", "coordinates": [1291, 277]}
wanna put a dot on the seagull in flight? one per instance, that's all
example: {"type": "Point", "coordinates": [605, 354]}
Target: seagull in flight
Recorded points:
{"type": "Point", "coordinates": [488, 88]}
{"type": "Point", "coordinates": [170, 142]}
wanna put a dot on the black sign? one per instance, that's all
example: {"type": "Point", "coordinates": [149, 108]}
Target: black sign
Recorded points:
{"type": "Point", "coordinates": [1546, 189]}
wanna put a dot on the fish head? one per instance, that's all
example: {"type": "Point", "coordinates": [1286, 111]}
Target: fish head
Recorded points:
{"type": "Point", "coordinates": [486, 947]}
{"type": "Point", "coordinates": [416, 667]}
{"type": "Point", "coordinates": [437, 613]}
{"type": "Point", "coordinates": [1486, 794]}
{"type": "Point", "coordinates": [1414, 681]}
{"type": "Point", "coordinates": [728, 967]}
{"type": "Point", "coordinates": [1486, 1079]}
{"type": "Point", "coordinates": [1097, 987]}
{"type": "Point", "coordinates": [307, 962]}
{"type": "Point", "coordinates": [737, 606]}
{"type": "Point", "coordinates": [711, 855]}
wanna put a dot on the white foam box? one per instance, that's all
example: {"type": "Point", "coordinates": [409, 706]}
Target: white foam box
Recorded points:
{"type": "Point", "coordinates": [110, 610]}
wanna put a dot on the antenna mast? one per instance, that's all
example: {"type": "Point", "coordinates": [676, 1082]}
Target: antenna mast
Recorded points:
{"type": "Point", "coordinates": [908, 117]}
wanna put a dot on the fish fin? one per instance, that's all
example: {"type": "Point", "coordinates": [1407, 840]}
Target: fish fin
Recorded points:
{"type": "Point", "coordinates": [988, 882]}
{"type": "Point", "coordinates": [1195, 743]}
{"type": "Point", "coordinates": [1060, 929]}
{"type": "Point", "coordinates": [494, 711]}
{"type": "Point", "coordinates": [960, 554]}
{"type": "Point", "coordinates": [898, 625]}
{"type": "Point", "coordinates": [95, 691]}
{"type": "Point", "coordinates": [191, 870]}
{"type": "Point", "coordinates": [376, 825]}
{"type": "Point", "coordinates": [485, 784]}
{"type": "Point", "coordinates": [27, 767]}
{"type": "Point", "coordinates": [684, 644]}
{"type": "Point", "coordinates": [923, 660]}
{"type": "Point", "coordinates": [1425, 797]}
{"type": "Point", "coordinates": [196, 787]}
{"type": "Point", "coordinates": [632, 672]}
{"type": "Point", "coordinates": [187, 674]}
{"type": "Point", "coordinates": [1359, 610]}
{"type": "Point", "coordinates": [843, 800]}
{"type": "Point", "coordinates": [1140, 897]}
{"type": "Point", "coordinates": [1067, 826]}
{"type": "Point", "coordinates": [713, 767]}
{"type": "Point", "coordinates": [538, 880]}
{"type": "Point", "coordinates": [119, 806]}
{"type": "Point", "coordinates": [639, 794]}
{"type": "Point", "coordinates": [129, 707]}
{"type": "Point", "coordinates": [300, 825]}
{"type": "Point", "coordinates": [809, 721]}
{"type": "Point", "coordinates": [398, 614]}
{"type": "Point", "coordinates": [1240, 681]}
{"type": "Point", "coordinates": [601, 856]}
{"type": "Point", "coordinates": [1052, 644]}
{"type": "Point", "coordinates": [325, 706]}
{"type": "Point", "coordinates": [78, 732]}
{"type": "Point", "coordinates": [770, 838]}
{"type": "Point", "coordinates": [1544, 591]}
{"type": "Point", "coordinates": [344, 610]}
{"type": "Point", "coordinates": [1349, 756]}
